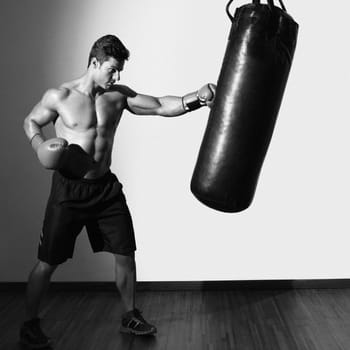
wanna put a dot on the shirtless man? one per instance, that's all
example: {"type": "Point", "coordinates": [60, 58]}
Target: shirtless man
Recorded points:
{"type": "Point", "coordinates": [86, 113]}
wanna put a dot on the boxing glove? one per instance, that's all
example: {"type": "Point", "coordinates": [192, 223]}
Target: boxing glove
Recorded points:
{"type": "Point", "coordinates": [75, 162]}
{"type": "Point", "coordinates": [70, 160]}
{"type": "Point", "coordinates": [204, 96]}
{"type": "Point", "coordinates": [51, 152]}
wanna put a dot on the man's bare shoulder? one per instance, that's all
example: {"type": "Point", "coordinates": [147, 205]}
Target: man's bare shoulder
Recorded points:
{"type": "Point", "coordinates": [54, 95]}
{"type": "Point", "coordinates": [123, 90]}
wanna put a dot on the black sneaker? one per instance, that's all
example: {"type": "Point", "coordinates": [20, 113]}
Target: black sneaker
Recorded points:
{"type": "Point", "coordinates": [134, 323]}
{"type": "Point", "coordinates": [32, 336]}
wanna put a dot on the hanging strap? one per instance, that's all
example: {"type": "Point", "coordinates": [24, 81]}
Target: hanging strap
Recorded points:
{"type": "Point", "coordinates": [255, 2]}
{"type": "Point", "coordinates": [271, 3]}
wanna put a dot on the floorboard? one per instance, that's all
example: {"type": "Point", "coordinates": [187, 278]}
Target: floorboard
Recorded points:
{"type": "Point", "coordinates": [302, 319]}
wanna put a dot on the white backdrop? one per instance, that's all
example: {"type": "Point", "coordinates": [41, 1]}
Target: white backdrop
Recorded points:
{"type": "Point", "coordinates": [298, 224]}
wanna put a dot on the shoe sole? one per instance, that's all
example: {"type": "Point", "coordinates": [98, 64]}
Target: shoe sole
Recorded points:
{"type": "Point", "coordinates": [130, 331]}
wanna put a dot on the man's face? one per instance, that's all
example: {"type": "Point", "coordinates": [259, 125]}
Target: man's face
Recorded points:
{"type": "Point", "coordinates": [108, 73]}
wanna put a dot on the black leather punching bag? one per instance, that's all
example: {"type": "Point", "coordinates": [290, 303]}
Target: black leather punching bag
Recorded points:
{"type": "Point", "coordinates": [249, 92]}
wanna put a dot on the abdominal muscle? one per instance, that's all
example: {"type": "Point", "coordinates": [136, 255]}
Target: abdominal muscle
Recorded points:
{"type": "Point", "coordinates": [94, 142]}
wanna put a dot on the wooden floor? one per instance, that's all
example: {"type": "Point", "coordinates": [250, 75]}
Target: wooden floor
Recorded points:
{"type": "Point", "coordinates": [194, 320]}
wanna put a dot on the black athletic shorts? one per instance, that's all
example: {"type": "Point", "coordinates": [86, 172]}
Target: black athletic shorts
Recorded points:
{"type": "Point", "coordinates": [98, 204]}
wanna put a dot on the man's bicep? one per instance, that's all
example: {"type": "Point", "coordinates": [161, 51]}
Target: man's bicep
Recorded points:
{"type": "Point", "coordinates": [41, 115]}
{"type": "Point", "coordinates": [143, 104]}
{"type": "Point", "coordinates": [45, 110]}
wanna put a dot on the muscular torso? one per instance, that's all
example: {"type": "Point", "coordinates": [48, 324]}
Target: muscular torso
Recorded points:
{"type": "Point", "coordinates": [91, 123]}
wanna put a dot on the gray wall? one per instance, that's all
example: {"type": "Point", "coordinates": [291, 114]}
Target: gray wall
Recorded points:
{"type": "Point", "coordinates": [298, 224]}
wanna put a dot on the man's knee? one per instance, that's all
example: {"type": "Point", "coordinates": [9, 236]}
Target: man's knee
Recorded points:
{"type": "Point", "coordinates": [45, 268]}
{"type": "Point", "coordinates": [125, 261]}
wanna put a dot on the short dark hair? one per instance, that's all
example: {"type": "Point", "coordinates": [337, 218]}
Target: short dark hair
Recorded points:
{"type": "Point", "coordinates": [108, 46]}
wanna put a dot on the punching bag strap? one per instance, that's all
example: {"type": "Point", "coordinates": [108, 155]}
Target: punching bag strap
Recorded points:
{"type": "Point", "coordinates": [228, 10]}
{"type": "Point", "coordinates": [256, 2]}
{"type": "Point", "coordinates": [271, 4]}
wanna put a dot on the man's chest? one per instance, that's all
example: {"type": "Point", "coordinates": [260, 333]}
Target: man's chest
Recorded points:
{"type": "Point", "coordinates": [83, 113]}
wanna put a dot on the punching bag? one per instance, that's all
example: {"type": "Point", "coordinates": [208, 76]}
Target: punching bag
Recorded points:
{"type": "Point", "coordinates": [249, 92]}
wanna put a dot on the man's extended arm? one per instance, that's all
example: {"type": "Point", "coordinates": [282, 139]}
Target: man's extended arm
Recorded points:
{"type": "Point", "coordinates": [171, 106]}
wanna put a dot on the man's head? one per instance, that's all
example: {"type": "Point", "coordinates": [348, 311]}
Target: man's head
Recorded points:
{"type": "Point", "coordinates": [106, 59]}
{"type": "Point", "coordinates": [108, 46]}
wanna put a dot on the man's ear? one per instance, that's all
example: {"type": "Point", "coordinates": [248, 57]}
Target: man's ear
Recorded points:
{"type": "Point", "coordinates": [94, 63]}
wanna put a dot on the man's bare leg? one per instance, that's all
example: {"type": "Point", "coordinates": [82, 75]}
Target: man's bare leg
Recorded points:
{"type": "Point", "coordinates": [38, 283]}
{"type": "Point", "coordinates": [31, 334]}
{"type": "Point", "coordinates": [125, 277]}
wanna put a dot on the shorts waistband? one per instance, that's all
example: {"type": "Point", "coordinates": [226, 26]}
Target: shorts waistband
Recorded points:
{"type": "Point", "coordinates": [101, 179]}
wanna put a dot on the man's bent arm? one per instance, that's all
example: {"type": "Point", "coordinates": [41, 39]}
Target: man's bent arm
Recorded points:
{"type": "Point", "coordinates": [42, 114]}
